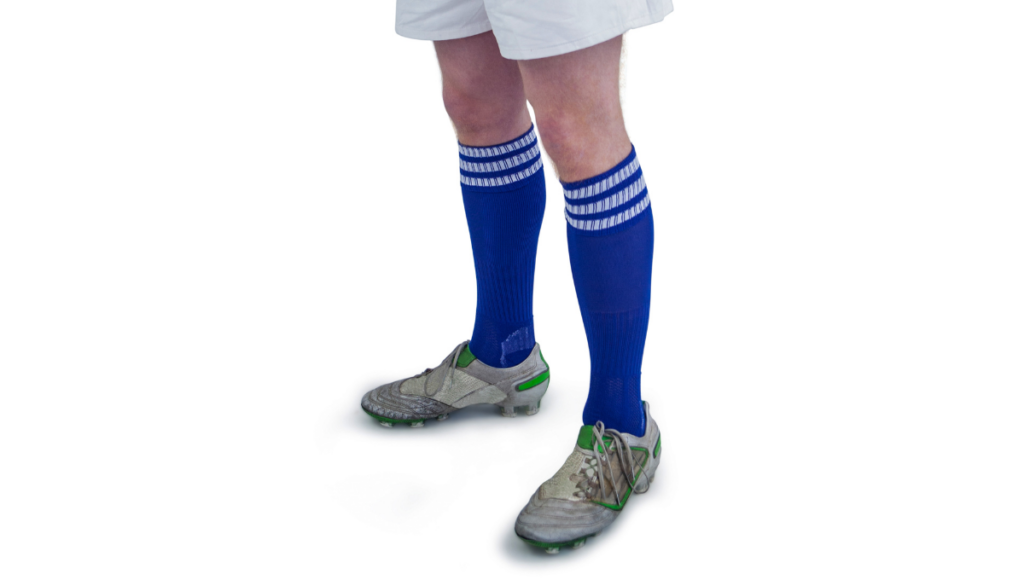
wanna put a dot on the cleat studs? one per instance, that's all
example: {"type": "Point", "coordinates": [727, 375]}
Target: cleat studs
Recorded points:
{"type": "Point", "coordinates": [551, 550]}
{"type": "Point", "coordinates": [508, 411]}
{"type": "Point", "coordinates": [532, 409]}
{"type": "Point", "coordinates": [385, 424]}
{"type": "Point", "coordinates": [442, 417]}
{"type": "Point", "coordinates": [579, 544]}
{"type": "Point", "coordinates": [417, 424]}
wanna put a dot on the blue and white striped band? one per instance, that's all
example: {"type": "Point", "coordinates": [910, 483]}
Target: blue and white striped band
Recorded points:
{"type": "Point", "coordinates": [499, 165]}
{"type": "Point", "coordinates": [609, 199]}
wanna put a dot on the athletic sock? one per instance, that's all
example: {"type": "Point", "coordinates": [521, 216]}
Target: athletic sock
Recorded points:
{"type": "Point", "coordinates": [611, 245]}
{"type": "Point", "coordinates": [503, 193]}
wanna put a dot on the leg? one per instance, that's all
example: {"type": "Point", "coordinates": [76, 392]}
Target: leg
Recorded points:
{"type": "Point", "coordinates": [610, 229]}
{"type": "Point", "coordinates": [503, 194]}
{"type": "Point", "coordinates": [502, 191]}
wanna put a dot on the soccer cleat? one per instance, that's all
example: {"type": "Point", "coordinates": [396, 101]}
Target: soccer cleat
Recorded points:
{"type": "Point", "coordinates": [459, 381]}
{"type": "Point", "coordinates": [586, 495]}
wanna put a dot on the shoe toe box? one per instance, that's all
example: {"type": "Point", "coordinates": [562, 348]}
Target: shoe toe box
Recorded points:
{"type": "Point", "coordinates": [389, 402]}
{"type": "Point", "coordinates": [553, 520]}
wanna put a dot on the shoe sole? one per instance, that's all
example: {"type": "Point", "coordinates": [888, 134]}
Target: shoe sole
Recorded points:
{"type": "Point", "coordinates": [506, 411]}
{"type": "Point", "coordinates": [555, 547]}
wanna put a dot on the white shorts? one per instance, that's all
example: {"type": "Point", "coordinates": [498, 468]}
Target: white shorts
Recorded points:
{"type": "Point", "coordinates": [528, 29]}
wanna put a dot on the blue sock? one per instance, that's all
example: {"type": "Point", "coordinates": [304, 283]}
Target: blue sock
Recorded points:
{"type": "Point", "coordinates": [611, 245]}
{"type": "Point", "coordinates": [503, 193]}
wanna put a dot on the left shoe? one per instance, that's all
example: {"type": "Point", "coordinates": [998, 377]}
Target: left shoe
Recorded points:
{"type": "Point", "coordinates": [460, 381]}
{"type": "Point", "coordinates": [590, 490]}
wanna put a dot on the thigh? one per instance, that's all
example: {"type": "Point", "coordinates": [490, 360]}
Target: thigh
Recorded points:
{"type": "Point", "coordinates": [586, 78]}
{"type": "Point", "coordinates": [474, 64]}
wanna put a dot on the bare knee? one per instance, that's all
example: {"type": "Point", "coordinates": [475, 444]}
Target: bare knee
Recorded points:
{"type": "Point", "coordinates": [480, 118]}
{"type": "Point", "coordinates": [485, 101]}
{"type": "Point", "coordinates": [482, 91]}
{"type": "Point", "coordinates": [583, 142]}
{"type": "Point", "coordinates": [563, 136]}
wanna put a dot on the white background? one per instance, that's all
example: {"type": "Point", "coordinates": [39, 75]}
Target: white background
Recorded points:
{"type": "Point", "coordinates": [222, 221]}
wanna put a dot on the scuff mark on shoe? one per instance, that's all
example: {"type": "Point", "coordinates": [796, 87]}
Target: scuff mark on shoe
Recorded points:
{"type": "Point", "coordinates": [519, 340]}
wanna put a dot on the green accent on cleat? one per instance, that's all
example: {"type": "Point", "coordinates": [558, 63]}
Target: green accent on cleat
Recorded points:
{"type": "Point", "coordinates": [465, 357]}
{"type": "Point", "coordinates": [657, 447]}
{"type": "Point", "coordinates": [534, 381]}
{"type": "Point", "coordinates": [586, 438]}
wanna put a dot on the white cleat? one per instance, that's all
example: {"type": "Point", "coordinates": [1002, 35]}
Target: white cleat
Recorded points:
{"type": "Point", "coordinates": [416, 425]}
{"type": "Point", "coordinates": [606, 468]}
{"type": "Point", "coordinates": [460, 381]}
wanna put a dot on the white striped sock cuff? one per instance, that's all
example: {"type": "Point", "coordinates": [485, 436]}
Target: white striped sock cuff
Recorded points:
{"type": "Point", "coordinates": [621, 198]}
{"type": "Point", "coordinates": [599, 187]}
{"type": "Point", "coordinates": [611, 221]}
{"type": "Point", "coordinates": [609, 199]}
{"type": "Point", "coordinates": [500, 165]}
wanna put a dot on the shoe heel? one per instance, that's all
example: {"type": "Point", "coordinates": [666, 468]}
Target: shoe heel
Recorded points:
{"type": "Point", "coordinates": [511, 411]}
{"type": "Point", "coordinates": [525, 401]}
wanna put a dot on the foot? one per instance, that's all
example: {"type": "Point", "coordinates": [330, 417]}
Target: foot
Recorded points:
{"type": "Point", "coordinates": [592, 487]}
{"type": "Point", "coordinates": [461, 380]}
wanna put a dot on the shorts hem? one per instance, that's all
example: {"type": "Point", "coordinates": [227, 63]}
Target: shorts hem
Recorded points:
{"type": "Point", "coordinates": [449, 34]}
{"type": "Point", "coordinates": [586, 41]}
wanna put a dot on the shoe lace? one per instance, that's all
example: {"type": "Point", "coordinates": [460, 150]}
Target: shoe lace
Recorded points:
{"type": "Point", "coordinates": [449, 364]}
{"type": "Point", "coordinates": [626, 461]}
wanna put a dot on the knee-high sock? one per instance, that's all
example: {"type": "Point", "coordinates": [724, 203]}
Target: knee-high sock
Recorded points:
{"type": "Point", "coordinates": [503, 193]}
{"type": "Point", "coordinates": [611, 245]}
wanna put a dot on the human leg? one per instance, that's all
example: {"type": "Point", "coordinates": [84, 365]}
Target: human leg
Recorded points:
{"type": "Point", "coordinates": [611, 242]}
{"type": "Point", "coordinates": [610, 229]}
{"type": "Point", "coordinates": [502, 191]}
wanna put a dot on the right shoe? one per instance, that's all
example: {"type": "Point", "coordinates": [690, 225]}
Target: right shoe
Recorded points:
{"type": "Point", "coordinates": [461, 380]}
{"type": "Point", "coordinates": [590, 490]}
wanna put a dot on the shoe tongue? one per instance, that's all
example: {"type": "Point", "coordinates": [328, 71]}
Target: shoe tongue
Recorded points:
{"type": "Point", "coordinates": [586, 438]}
